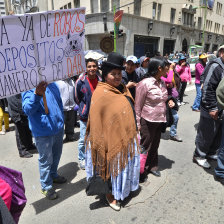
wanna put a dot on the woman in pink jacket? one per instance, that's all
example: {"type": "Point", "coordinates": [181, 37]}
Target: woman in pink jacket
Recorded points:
{"type": "Point", "coordinates": [199, 68]}
{"type": "Point", "coordinates": [185, 74]}
{"type": "Point", "coordinates": [150, 108]}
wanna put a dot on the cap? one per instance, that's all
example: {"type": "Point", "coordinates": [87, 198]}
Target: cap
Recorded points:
{"type": "Point", "coordinates": [132, 58]}
{"type": "Point", "coordinates": [182, 57]}
{"type": "Point", "coordinates": [202, 56]}
{"type": "Point", "coordinates": [221, 47]}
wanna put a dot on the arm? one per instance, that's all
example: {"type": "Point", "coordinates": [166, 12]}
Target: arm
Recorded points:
{"type": "Point", "coordinates": [189, 73]}
{"type": "Point", "coordinates": [179, 69]}
{"type": "Point", "coordinates": [141, 92]}
{"type": "Point", "coordinates": [169, 77]}
{"type": "Point", "coordinates": [78, 93]}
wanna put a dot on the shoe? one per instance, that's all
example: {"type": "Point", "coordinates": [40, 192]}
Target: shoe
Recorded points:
{"type": "Point", "coordinates": [155, 173]}
{"type": "Point", "coordinates": [59, 180]}
{"type": "Point", "coordinates": [26, 155]}
{"type": "Point", "coordinates": [176, 138]}
{"type": "Point", "coordinates": [143, 177]}
{"type": "Point", "coordinates": [32, 147]}
{"type": "Point", "coordinates": [49, 194]}
{"type": "Point", "coordinates": [212, 157]}
{"type": "Point", "coordinates": [196, 110]}
{"type": "Point", "coordinates": [219, 179]}
{"type": "Point", "coordinates": [82, 164]}
{"type": "Point", "coordinates": [9, 129]}
{"type": "Point", "coordinates": [77, 125]}
{"type": "Point", "coordinates": [2, 132]}
{"type": "Point", "coordinates": [70, 139]}
{"type": "Point", "coordinates": [116, 207]}
{"type": "Point", "coordinates": [201, 162]}
{"type": "Point", "coordinates": [182, 103]}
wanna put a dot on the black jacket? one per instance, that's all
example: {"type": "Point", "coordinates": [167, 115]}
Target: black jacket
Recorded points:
{"type": "Point", "coordinates": [212, 75]}
{"type": "Point", "coordinates": [15, 107]}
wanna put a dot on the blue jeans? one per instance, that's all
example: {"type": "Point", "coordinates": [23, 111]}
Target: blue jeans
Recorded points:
{"type": "Point", "coordinates": [219, 170]}
{"type": "Point", "coordinates": [50, 149]}
{"type": "Point", "coordinates": [173, 128]}
{"type": "Point", "coordinates": [81, 145]}
{"type": "Point", "coordinates": [197, 101]}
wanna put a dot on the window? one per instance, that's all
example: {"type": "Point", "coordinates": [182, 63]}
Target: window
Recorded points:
{"type": "Point", "coordinates": [104, 5]}
{"type": "Point", "coordinates": [69, 5]}
{"type": "Point", "coordinates": [216, 28]}
{"type": "Point", "coordinates": [219, 8]}
{"type": "Point", "coordinates": [199, 23]}
{"type": "Point", "coordinates": [76, 3]}
{"type": "Point", "coordinates": [94, 6]}
{"type": "Point", "coordinates": [115, 3]}
{"type": "Point", "coordinates": [154, 6]}
{"type": "Point", "coordinates": [61, 8]}
{"type": "Point", "coordinates": [208, 25]}
{"type": "Point", "coordinates": [137, 7]}
{"type": "Point", "coordinates": [188, 18]}
{"type": "Point", "coordinates": [159, 11]}
{"type": "Point", "coordinates": [172, 15]}
{"type": "Point", "coordinates": [65, 6]}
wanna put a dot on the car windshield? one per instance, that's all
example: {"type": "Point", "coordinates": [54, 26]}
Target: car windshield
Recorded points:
{"type": "Point", "coordinates": [192, 60]}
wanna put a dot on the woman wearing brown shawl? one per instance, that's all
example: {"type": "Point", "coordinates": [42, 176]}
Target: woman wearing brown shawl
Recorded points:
{"type": "Point", "coordinates": [112, 133]}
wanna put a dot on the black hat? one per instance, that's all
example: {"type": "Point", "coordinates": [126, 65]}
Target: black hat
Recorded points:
{"type": "Point", "coordinates": [114, 60]}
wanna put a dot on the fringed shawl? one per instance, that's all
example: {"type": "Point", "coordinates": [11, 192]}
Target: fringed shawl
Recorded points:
{"type": "Point", "coordinates": [111, 130]}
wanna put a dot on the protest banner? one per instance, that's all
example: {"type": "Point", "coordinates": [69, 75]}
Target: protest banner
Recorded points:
{"type": "Point", "coordinates": [45, 46]}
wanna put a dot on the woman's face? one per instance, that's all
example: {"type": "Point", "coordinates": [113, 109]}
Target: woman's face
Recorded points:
{"type": "Point", "coordinates": [114, 77]}
{"type": "Point", "coordinates": [91, 69]}
{"type": "Point", "coordinates": [205, 60]}
{"type": "Point", "coordinates": [162, 71]}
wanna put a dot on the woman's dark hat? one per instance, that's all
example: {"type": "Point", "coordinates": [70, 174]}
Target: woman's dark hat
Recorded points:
{"type": "Point", "coordinates": [114, 60]}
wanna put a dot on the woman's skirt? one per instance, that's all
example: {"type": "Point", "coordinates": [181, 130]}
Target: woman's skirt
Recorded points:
{"type": "Point", "coordinates": [126, 181]}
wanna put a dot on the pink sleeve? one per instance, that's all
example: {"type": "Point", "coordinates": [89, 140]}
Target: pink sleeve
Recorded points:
{"type": "Point", "coordinates": [199, 68]}
{"type": "Point", "coordinates": [140, 95]}
{"type": "Point", "coordinates": [189, 72]}
{"type": "Point", "coordinates": [169, 77]}
{"type": "Point", "coordinates": [179, 68]}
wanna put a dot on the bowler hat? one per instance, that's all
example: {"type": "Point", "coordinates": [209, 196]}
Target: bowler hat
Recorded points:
{"type": "Point", "coordinates": [114, 60]}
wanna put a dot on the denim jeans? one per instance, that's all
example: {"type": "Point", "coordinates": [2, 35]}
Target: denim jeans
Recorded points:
{"type": "Point", "coordinates": [173, 128]}
{"type": "Point", "coordinates": [219, 170]}
{"type": "Point", "coordinates": [197, 101]}
{"type": "Point", "coordinates": [50, 149]}
{"type": "Point", "coordinates": [81, 145]}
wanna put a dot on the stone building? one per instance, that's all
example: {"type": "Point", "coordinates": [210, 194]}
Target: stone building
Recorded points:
{"type": "Point", "coordinates": [149, 26]}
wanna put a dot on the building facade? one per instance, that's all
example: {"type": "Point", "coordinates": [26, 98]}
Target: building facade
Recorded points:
{"type": "Point", "coordinates": [149, 26]}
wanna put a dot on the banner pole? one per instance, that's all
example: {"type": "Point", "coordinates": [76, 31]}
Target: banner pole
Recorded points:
{"type": "Point", "coordinates": [115, 34]}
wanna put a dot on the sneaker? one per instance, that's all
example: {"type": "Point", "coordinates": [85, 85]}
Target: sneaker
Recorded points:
{"type": "Point", "coordinates": [2, 132]}
{"type": "Point", "coordinates": [116, 207]}
{"type": "Point", "coordinates": [201, 162]}
{"type": "Point", "coordinates": [26, 155]}
{"type": "Point", "coordinates": [82, 164]}
{"type": "Point", "coordinates": [182, 103]}
{"type": "Point", "coordinates": [49, 194]}
{"type": "Point", "coordinates": [219, 179]}
{"type": "Point", "coordinates": [176, 138]}
{"type": "Point", "coordinates": [59, 180]}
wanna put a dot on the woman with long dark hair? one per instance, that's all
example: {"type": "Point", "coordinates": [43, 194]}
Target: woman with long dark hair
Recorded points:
{"type": "Point", "coordinates": [199, 68]}
{"type": "Point", "coordinates": [150, 107]}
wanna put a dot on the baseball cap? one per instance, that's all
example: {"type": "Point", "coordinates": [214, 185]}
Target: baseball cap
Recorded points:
{"type": "Point", "coordinates": [132, 58]}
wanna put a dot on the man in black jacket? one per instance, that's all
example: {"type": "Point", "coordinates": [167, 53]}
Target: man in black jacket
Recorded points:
{"type": "Point", "coordinates": [23, 134]}
{"type": "Point", "coordinates": [208, 137]}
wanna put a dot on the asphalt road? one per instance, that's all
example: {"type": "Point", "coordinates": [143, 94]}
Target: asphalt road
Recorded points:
{"type": "Point", "coordinates": [185, 193]}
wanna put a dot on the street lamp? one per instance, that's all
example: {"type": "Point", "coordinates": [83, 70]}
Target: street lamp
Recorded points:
{"type": "Point", "coordinates": [150, 26]}
{"type": "Point", "coordinates": [105, 22]}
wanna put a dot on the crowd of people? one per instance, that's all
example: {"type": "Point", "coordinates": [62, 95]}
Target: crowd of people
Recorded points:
{"type": "Point", "coordinates": [123, 107]}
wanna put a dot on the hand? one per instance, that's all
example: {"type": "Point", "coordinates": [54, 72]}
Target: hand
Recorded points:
{"type": "Point", "coordinates": [214, 114]}
{"type": "Point", "coordinates": [171, 104]}
{"type": "Point", "coordinates": [131, 84]}
{"type": "Point", "coordinates": [170, 85]}
{"type": "Point", "coordinates": [139, 129]}
{"type": "Point", "coordinates": [201, 86]}
{"type": "Point", "coordinates": [172, 66]}
{"type": "Point", "coordinates": [41, 88]}
{"type": "Point", "coordinates": [190, 83]}
{"type": "Point", "coordinates": [183, 64]}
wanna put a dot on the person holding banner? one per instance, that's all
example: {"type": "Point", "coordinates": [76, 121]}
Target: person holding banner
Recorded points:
{"type": "Point", "coordinates": [48, 131]}
{"type": "Point", "coordinates": [84, 88]}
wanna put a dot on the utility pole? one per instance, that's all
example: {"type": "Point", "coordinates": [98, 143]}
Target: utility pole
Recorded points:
{"type": "Point", "coordinates": [205, 16]}
{"type": "Point", "coordinates": [115, 33]}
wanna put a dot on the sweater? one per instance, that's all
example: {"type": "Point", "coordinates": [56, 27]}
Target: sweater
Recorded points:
{"type": "Point", "coordinates": [40, 123]}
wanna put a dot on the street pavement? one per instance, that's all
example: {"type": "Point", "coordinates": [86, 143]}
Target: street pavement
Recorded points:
{"type": "Point", "coordinates": [185, 193]}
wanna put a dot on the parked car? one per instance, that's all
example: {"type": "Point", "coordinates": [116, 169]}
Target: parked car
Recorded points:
{"type": "Point", "coordinates": [193, 60]}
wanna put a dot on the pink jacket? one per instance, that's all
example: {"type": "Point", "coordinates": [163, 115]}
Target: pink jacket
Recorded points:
{"type": "Point", "coordinates": [184, 72]}
{"type": "Point", "coordinates": [169, 77]}
{"type": "Point", "coordinates": [199, 68]}
{"type": "Point", "coordinates": [150, 101]}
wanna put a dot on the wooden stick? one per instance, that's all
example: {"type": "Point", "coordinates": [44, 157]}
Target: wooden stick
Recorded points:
{"type": "Point", "coordinates": [45, 104]}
